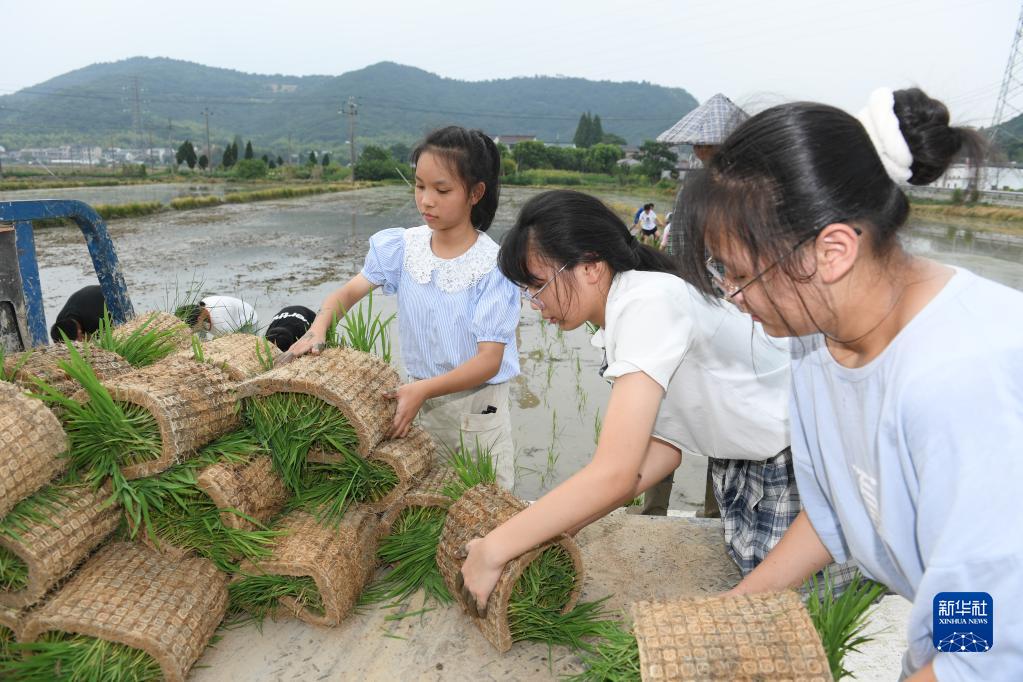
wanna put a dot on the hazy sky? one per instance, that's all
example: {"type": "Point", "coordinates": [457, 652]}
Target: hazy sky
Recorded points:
{"type": "Point", "coordinates": [757, 52]}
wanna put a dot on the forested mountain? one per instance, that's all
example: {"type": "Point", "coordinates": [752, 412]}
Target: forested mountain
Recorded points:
{"type": "Point", "coordinates": [395, 103]}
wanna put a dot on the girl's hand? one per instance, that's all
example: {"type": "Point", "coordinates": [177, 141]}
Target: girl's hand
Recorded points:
{"type": "Point", "coordinates": [410, 398]}
{"type": "Point", "coordinates": [311, 342]}
{"type": "Point", "coordinates": [478, 578]}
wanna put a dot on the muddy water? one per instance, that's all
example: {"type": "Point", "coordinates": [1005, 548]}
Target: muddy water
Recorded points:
{"type": "Point", "coordinates": [296, 251]}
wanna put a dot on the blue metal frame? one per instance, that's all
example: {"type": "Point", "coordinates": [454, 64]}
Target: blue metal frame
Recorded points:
{"type": "Point", "coordinates": [104, 258]}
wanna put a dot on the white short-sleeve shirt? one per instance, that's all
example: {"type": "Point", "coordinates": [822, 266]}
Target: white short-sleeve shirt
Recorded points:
{"type": "Point", "coordinates": [726, 384]}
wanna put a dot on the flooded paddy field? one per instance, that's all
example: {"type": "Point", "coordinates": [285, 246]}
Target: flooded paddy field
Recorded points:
{"type": "Point", "coordinates": [295, 251]}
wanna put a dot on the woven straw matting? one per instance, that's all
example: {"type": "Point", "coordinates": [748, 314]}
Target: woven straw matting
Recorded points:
{"type": "Point", "coordinates": [427, 492]}
{"type": "Point", "coordinates": [253, 488]}
{"type": "Point", "coordinates": [340, 560]}
{"type": "Point", "coordinates": [475, 514]}
{"type": "Point", "coordinates": [12, 620]}
{"type": "Point", "coordinates": [350, 380]}
{"type": "Point", "coordinates": [31, 444]}
{"type": "Point", "coordinates": [158, 321]}
{"type": "Point", "coordinates": [236, 354]}
{"type": "Point", "coordinates": [726, 639]}
{"type": "Point", "coordinates": [193, 403]}
{"type": "Point", "coordinates": [129, 594]}
{"type": "Point", "coordinates": [42, 363]}
{"type": "Point", "coordinates": [51, 549]}
{"type": "Point", "coordinates": [410, 458]}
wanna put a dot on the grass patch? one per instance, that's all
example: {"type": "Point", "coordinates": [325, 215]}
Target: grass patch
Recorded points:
{"type": "Point", "coordinates": [841, 620]}
{"type": "Point", "coordinates": [66, 656]}
{"type": "Point", "coordinates": [362, 330]}
{"type": "Point", "coordinates": [286, 192]}
{"type": "Point", "coordinates": [6, 644]}
{"type": "Point", "coordinates": [13, 571]}
{"type": "Point", "coordinates": [411, 550]}
{"type": "Point", "coordinates": [142, 347]}
{"type": "Point", "coordinates": [254, 597]}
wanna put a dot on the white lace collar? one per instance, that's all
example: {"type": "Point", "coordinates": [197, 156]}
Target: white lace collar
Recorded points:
{"type": "Point", "coordinates": [454, 274]}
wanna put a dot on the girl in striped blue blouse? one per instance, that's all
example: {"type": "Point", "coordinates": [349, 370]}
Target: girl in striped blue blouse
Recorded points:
{"type": "Point", "coordinates": [457, 313]}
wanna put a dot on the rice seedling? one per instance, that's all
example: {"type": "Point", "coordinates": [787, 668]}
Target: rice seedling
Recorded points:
{"type": "Point", "coordinates": [290, 424]}
{"type": "Point", "coordinates": [198, 354]}
{"type": "Point", "coordinates": [104, 435]}
{"type": "Point", "coordinates": [841, 620]}
{"type": "Point", "coordinates": [142, 347]}
{"type": "Point", "coordinates": [411, 549]}
{"type": "Point", "coordinates": [264, 354]}
{"type": "Point", "coordinates": [597, 426]}
{"type": "Point", "coordinates": [471, 468]}
{"type": "Point", "coordinates": [614, 659]}
{"type": "Point", "coordinates": [13, 571]}
{"type": "Point", "coordinates": [362, 330]}
{"type": "Point", "coordinates": [6, 644]}
{"type": "Point", "coordinates": [10, 374]}
{"type": "Point", "coordinates": [328, 489]}
{"type": "Point", "coordinates": [65, 656]}
{"type": "Point", "coordinates": [538, 598]}
{"type": "Point", "coordinates": [173, 509]}
{"type": "Point", "coordinates": [37, 509]}
{"type": "Point", "coordinates": [254, 597]}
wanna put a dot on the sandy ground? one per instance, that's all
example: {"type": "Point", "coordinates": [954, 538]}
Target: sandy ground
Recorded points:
{"type": "Point", "coordinates": [628, 557]}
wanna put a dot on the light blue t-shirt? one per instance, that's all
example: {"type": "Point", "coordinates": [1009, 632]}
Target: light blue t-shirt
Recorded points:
{"type": "Point", "coordinates": [445, 306]}
{"type": "Point", "coordinates": [912, 466]}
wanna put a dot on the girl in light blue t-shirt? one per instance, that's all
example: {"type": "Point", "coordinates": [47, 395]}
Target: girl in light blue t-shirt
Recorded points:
{"type": "Point", "coordinates": [907, 393]}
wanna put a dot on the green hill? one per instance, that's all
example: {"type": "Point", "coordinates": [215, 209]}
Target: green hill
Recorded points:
{"type": "Point", "coordinates": [96, 104]}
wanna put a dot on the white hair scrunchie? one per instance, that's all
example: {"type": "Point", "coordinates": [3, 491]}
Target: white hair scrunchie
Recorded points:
{"type": "Point", "coordinates": [882, 125]}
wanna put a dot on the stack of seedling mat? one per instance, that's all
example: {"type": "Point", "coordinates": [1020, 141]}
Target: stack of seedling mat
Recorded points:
{"type": "Point", "coordinates": [46, 529]}
{"type": "Point", "coordinates": [729, 639]}
{"type": "Point", "coordinates": [129, 613]}
{"type": "Point", "coordinates": [332, 405]}
{"type": "Point", "coordinates": [534, 590]}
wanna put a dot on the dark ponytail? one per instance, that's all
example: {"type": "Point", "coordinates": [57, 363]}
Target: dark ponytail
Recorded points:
{"type": "Point", "coordinates": [793, 169]}
{"type": "Point", "coordinates": [569, 228]}
{"type": "Point", "coordinates": [475, 157]}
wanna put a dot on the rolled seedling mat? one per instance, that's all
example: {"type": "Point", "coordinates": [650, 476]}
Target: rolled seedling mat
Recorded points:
{"type": "Point", "coordinates": [32, 443]}
{"type": "Point", "coordinates": [240, 356]}
{"type": "Point", "coordinates": [158, 321]}
{"type": "Point", "coordinates": [340, 560]}
{"type": "Point", "coordinates": [480, 510]}
{"type": "Point", "coordinates": [410, 458]}
{"type": "Point", "coordinates": [729, 638]}
{"type": "Point", "coordinates": [129, 594]}
{"type": "Point", "coordinates": [351, 381]}
{"type": "Point", "coordinates": [193, 404]}
{"type": "Point", "coordinates": [252, 488]}
{"type": "Point", "coordinates": [69, 527]}
{"type": "Point", "coordinates": [43, 364]}
{"type": "Point", "coordinates": [10, 620]}
{"type": "Point", "coordinates": [428, 491]}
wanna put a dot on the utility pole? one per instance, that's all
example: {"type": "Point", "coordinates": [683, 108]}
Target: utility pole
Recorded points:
{"type": "Point", "coordinates": [351, 110]}
{"type": "Point", "coordinates": [1011, 83]}
{"type": "Point", "coordinates": [207, 113]}
{"type": "Point", "coordinates": [137, 111]}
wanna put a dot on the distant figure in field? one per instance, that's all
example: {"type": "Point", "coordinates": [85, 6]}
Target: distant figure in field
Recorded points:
{"type": "Point", "coordinates": [288, 325]}
{"type": "Point", "coordinates": [80, 316]}
{"type": "Point", "coordinates": [219, 315]}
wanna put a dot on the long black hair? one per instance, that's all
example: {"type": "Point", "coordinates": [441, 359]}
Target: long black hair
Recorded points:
{"type": "Point", "coordinates": [475, 157]}
{"type": "Point", "coordinates": [568, 228]}
{"type": "Point", "coordinates": [793, 169]}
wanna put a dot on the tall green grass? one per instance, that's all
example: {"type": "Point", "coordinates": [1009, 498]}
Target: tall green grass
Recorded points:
{"type": "Point", "coordinates": [362, 329]}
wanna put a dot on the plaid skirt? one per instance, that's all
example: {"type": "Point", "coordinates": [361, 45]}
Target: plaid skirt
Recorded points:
{"type": "Point", "coordinates": [758, 502]}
